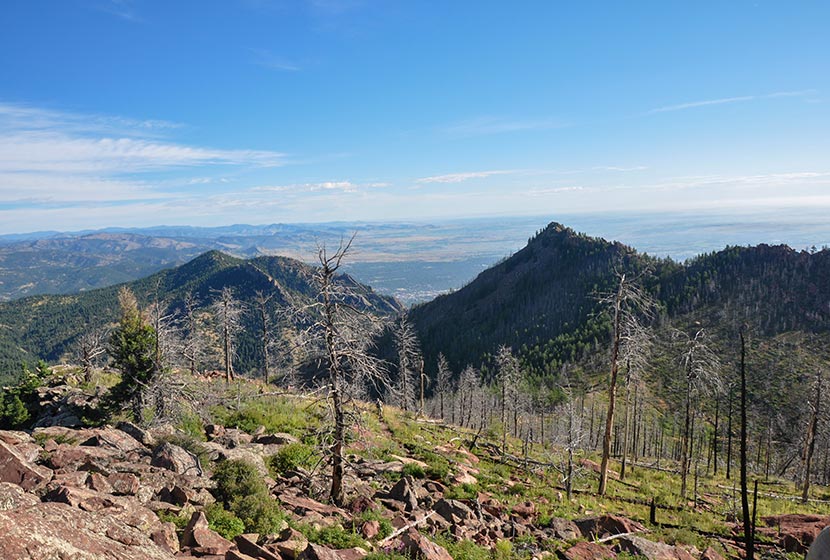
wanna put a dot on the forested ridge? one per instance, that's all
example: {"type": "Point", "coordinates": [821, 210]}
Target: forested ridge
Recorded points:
{"type": "Point", "coordinates": [544, 300]}
{"type": "Point", "coordinates": [49, 327]}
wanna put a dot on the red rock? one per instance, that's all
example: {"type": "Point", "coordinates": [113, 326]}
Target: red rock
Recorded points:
{"type": "Point", "coordinates": [596, 467]}
{"type": "Point", "coordinates": [165, 537]}
{"type": "Point", "coordinates": [68, 458]}
{"type": "Point", "coordinates": [174, 458]}
{"type": "Point", "coordinates": [525, 510]}
{"type": "Point", "coordinates": [51, 530]}
{"type": "Point", "coordinates": [15, 469]}
{"type": "Point", "coordinates": [237, 555]}
{"type": "Point", "coordinates": [651, 550]}
{"type": "Point", "coordinates": [606, 525]}
{"type": "Point", "coordinates": [711, 554]}
{"type": "Point", "coordinates": [291, 545]}
{"type": "Point", "coordinates": [317, 552]}
{"type": "Point", "coordinates": [794, 532]}
{"type": "Point", "coordinates": [13, 496]}
{"type": "Point", "coordinates": [116, 439]}
{"type": "Point", "coordinates": [201, 538]}
{"type": "Point", "coordinates": [355, 553]}
{"type": "Point", "coordinates": [589, 551]}
{"type": "Point", "coordinates": [126, 484]}
{"type": "Point", "coordinates": [302, 505]}
{"type": "Point", "coordinates": [247, 545]}
{"type": "Point", "coordinates": [98, 483]}
{"type": "Point", "coordinates": [370, 529]}
{"type": "Point", "coordinates": [418, 546]}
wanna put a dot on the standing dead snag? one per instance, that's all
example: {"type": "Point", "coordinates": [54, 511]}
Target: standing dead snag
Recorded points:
{"type": "Point", "coordinates": [340, 335]}
{"type": "Point", "coordinates": [749, 530]}
{"type": "Point", "coordinates": [810, 441]}
{"type": "Point", "coordinates": [508, 380]}
{"type": "Point", "coordinates": [628, 302]}
{"type": "Point", "coordinates": [701, 368]}
{"type": "Point", "coordinates": [409, 358]}
{"type": "Point", "coordinates": [227, 311]}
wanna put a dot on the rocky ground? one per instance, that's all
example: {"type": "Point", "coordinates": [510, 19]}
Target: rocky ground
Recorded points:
{"type": "Point", "coordinates": [101, 493]}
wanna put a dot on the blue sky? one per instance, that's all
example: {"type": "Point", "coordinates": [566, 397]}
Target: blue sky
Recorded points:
{"type": "Point", "coordinates": [136, 113]}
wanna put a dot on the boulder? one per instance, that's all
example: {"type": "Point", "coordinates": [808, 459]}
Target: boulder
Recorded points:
{"type": "Point", "coordinates": [13, 496]}
{"type": "Point", "coordinates": [564, 529]}
{"type": "Point", "coordinates": [404, 491]}
{"type": "Point", "coordinates": [116, 439]}
{"type": "Point", "coordinates": [201, 538]}
{"type": "Point", "coordinates": [137, 433]}
{"type": "Point", "coordinates": [418, 546]}
{"type": "Point", "coordinates": [589, 551]}
{"type": "Point", "coordinates": [712, 554]}
{"type": "Point", "coordinates": [174, 458]}
{"type": "Point", "coordinates": [370, 529]}
{"type": "Point", "coordinates": [794, 532]}
{"type": "Point", "coordinates": [454, 511]}
{"type": "Point", "coordinates": [125, 484]}
{"type": "Point", "coordinates": [318, 552]}
{"type": "Point", "coordinates": [651, 550]}
{"type": "Point", "coordinates": [68, 458]}
{"type": "Point", "coordinates": [247, 545]}
{"type": "Point", "coordinates": [51, 530]}
{"type": "Point", "coordinates": [276, 439]}
{"type": "Point", "coordinates": [16, 469]}
{"type": "Point", "coordinates": [607, 525]}
{"type": "Point", "coordinates": [292, 543]}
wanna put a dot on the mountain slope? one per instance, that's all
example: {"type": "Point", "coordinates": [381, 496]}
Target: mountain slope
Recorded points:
{"type": "Point", "coordinates": [47, 327]}
{"type": "Point", "coordinates": [542, 301]}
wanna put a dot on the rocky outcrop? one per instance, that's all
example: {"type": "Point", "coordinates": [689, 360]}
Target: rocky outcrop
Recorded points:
{"type": "Point", "coordinates": [45, 531]}
{"type": "Point", "coordinates": [794, 532]}
{"type": "Point", "coordinates": [16, 469]}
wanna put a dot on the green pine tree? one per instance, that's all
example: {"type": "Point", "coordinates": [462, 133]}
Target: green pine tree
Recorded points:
{"type": "Point", "coordinates": [132, 347]}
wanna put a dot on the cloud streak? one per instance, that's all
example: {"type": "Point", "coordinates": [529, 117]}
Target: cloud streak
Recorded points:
{"type": "Point", "coordinates": [729, 100]}
{"type": "Point", "coordinates": [488, 125]}
{"type": "Point", "coordinates": [461, 177]}
{"type": "Point", "coordinates": [49, 157]}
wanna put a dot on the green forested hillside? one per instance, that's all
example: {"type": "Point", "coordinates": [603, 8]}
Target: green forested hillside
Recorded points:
{"type": "Point", "coordinates": [47, 327]}
{"type": "Point", "coordinates": [544, 300]}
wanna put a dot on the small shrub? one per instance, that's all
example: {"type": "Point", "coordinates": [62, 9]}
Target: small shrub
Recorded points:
{"type": "Point", "coordinates": [503, 550]}
{"type": "Point", "coordinates": [386, 555]}
{"type": "Point", "coordinates": [464, 549]}
{"type": "Point", "coordinates": [180, 520]}
{"type": "Point", "coordinates": [291, 457]}
{"type": "Point", "coordinates": [259, 513]}
{"type": "Point", "coordinates": [239, 487]}
{"type": "Point", "coordinates": [464, 491]}
{"type": "Point", "coordinates": [223, 521]}
{"type": "Point", "coordinates": [414, 470]}
{"type": "Point", "coordinates": [235, 478]}
{"type": "Point", "coordinates": [335, 537]}
{"type": "Point", "coordinates": [192, 425]}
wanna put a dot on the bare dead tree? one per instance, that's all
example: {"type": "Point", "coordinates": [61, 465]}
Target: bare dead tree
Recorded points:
{"type": "Point", "coordinates": [508, 381]}
{"type": "Point", "coordinates": [468, 387]}
{"type": "Point", "coordinates": [635, 348]}
{"type": "Point", "coordinates": [749, 530]}
{"type": "Point", "coordinates": [701, 369]}
{"type": "Point", "coordinates": [340, 336]}
{"type": "Point", "coordinates": [261, 304]}
{"type": "Point", "coordinates": [227, 311]}
{"type": "Point", "coordinates": [810, 440]}
{"type": "Point", "coordinates": [193, 345]}
{"type": "Point", "coordinates": [409, 358]}
{"type": "Point", "coordinates": [443, 382]}
{"type": "Point", "coordinates": [91, 347]}
{"type": "Point", "coordinates": [574, 436]}
{"type": "Point", "coordinates": [627, 301]}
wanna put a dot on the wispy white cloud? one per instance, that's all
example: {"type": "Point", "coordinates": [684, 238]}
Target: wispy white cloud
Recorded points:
{"type": "Point", "coordinates": [487, 125]}
{"type": "Point", "coordinates": [48, 157]}
{"type": "Point", "coordinates": [461, 177]}
{"type": "Point", "coordinates": [23, 117]}
{"type": "Point", "coordinates": [727, 100]}
{"type": "Point", "coordinates": [271, 61]}
{"type": "Point", "coordinates": [123, 9]}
